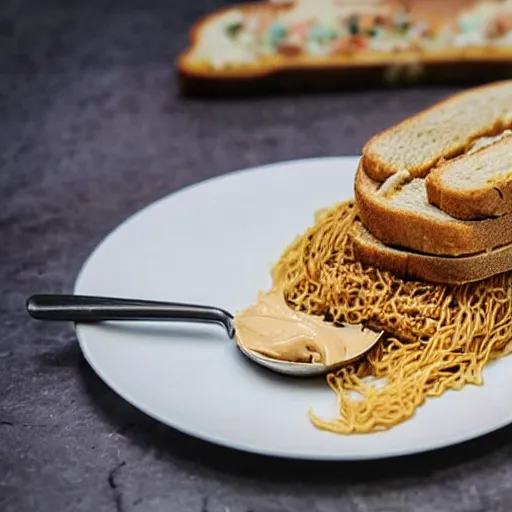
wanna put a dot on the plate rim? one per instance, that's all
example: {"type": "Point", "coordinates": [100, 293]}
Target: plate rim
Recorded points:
{"type": "Point", "coordinates": [452, 441]}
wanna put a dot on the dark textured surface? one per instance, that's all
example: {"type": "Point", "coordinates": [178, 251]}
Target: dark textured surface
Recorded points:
{"type": "Point", "coordinates": [91, 129]}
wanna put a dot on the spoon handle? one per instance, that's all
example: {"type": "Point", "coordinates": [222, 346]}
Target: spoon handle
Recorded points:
{"type": "Point", "coordinates": [82, 308]}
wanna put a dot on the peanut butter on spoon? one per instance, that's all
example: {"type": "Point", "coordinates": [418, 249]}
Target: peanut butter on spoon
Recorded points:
{"type": "Point", "coordinates": [271, 328]}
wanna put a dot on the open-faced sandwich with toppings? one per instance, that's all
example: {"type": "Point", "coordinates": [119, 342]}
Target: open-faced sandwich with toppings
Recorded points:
{"type": "Point", "coordinates": [310, 44]}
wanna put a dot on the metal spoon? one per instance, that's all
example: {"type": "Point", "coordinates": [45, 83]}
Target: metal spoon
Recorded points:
{"type": "Point", "coordinates": [87, 309]}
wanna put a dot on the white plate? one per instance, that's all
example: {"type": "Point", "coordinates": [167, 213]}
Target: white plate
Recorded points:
{"type": "Point", "coordinates": [214, 243]}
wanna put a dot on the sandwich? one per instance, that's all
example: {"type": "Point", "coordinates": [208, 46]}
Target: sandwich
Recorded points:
{"type": "Point", "coordinates": [331, 44]}
{"type": "Point", "coordinates": [434, 192]}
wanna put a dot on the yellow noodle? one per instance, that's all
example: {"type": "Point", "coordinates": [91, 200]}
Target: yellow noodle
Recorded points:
{"type": "Point", "coordinates": [441, 336]}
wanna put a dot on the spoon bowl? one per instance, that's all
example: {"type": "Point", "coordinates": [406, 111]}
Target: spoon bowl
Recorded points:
{"type": "Point", "coordinates": [303, 369]}
{"type": "Point", "coordinates": [89, 309]}
{"type": "Point", "coordinates": [284, 367]}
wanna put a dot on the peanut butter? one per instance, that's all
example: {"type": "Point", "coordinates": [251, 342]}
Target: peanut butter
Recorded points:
{"type": "Point", "coordinates": [271, 328]}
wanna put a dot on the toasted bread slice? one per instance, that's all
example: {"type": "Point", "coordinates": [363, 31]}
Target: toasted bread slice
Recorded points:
{"type": "Point", "coordinates": [305, 45]}
{"type": "Point", "coordinates": [444, 131]}
{"type": "Point", "coordinates": [402, 216]}
{"type": "Point", "coordinates": [423, 267]}
{"type": "Point", "coordinates": [474, 186]}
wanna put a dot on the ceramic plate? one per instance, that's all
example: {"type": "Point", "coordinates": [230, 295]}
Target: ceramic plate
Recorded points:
{"type": "Point", "coordinates": [214, 243]}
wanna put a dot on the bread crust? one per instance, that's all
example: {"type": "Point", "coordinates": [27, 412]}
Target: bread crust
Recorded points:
{"type": "Point", "coordinates": [419, 232]}
{"type": "Point", "coordinates": [423, 267]}
{"type": "Point", "coordinates": [306, 77]}
{"type": "Point", "coordinates": [493, 200]}
{"type": "Point", "coordinates": [281, 74]}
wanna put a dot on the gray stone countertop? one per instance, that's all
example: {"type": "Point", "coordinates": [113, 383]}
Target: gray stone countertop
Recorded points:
{"type": "Point", "coordinates": [91, 130]}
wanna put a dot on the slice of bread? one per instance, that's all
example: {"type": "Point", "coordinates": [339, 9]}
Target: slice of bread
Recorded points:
{"type": "Point", "coordinates": [422, 267]}
{"type": "Point", "coordinates": [474, 186]}
{"type": "Point", "coordinates": [324, 45]}
{"type": "Point", "coordinates": [403, 217]}
{"type": "Point", "coordinates": [444, 131]}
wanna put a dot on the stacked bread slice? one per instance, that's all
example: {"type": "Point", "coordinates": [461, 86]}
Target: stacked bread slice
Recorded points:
{"type": "Point", "coordinates": [434, 192]}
